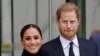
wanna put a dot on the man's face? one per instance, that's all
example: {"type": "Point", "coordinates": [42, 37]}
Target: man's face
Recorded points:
{"type": "Point", "coordinates": [68, 24]}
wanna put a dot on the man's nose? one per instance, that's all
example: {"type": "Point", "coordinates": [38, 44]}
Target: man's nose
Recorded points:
{"type": "Point", "coordinates": [69, 25]}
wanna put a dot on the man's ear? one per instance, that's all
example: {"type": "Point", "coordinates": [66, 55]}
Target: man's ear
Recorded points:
{"type": "Point", "coordinates": [57, 21]}
{"type": "Point", "coordinates": [79, 21]}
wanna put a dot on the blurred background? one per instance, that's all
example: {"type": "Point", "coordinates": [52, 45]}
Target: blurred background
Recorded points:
{"type": "Point", "coordinates": [14, 14]}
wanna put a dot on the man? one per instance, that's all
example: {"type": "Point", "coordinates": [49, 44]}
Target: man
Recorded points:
{"type": "Point", "coordinates": [68, 20]}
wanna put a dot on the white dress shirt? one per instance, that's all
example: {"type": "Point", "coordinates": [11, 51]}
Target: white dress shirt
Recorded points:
{"type": "Point", "coordinates": [66, 45]}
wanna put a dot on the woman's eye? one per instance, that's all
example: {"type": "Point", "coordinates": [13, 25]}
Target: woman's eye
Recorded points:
{"type": "Point", "coordinates": [27, 38]}
{"type": "Point", "coordinates": [36, 37]}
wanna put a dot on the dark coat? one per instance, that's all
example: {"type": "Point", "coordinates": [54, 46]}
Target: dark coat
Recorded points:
{"type": "Point", "coordinates": [25, 53]}
{"type": "Point", "coordinates": [54, 48]}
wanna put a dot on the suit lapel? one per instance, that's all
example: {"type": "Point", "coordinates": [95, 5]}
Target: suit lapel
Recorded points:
{"type": "Point", "coordinates": [82, 47]}
{"type": "Point", "coordinates": [58, 47]}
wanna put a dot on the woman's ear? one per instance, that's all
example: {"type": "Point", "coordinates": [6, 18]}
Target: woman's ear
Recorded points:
{"type": "Point", "coordinates": [21, 41]}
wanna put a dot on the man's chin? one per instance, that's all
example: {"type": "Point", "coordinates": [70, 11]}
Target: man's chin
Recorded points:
{"type": "Point", "coordinates": [69, 36]}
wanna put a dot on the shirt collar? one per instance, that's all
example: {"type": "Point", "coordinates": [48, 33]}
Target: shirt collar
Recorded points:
{"type": "Point", "coordinates": [75, 40]}
{"type": "Point", "coordinates": [65, 42]}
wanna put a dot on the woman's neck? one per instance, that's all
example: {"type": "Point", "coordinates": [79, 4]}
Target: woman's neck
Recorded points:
{"type": "Point", "coordinates": [26, 53]}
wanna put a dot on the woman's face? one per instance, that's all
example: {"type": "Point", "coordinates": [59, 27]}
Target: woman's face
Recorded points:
{"type": "Point", "coordinates": [32, 40]}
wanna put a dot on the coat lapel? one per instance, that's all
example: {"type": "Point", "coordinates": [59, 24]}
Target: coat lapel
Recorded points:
{"type": "Point", "coordinates": [82, 47]}
{"type": "Point", "coordinates": [58, 47]}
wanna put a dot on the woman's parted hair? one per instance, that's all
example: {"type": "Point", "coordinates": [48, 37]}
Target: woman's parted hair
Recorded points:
{"type": "Point", "coordinates": [27, 27]}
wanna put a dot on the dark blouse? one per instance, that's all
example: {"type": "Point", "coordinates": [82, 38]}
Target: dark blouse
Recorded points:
{"type": "Point", "coordinates": [25, 53]}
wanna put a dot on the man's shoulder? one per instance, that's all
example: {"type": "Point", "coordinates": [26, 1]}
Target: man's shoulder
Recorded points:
{"type": "Point", "coordinates": [89, 46]}
{"type": "Point", "coordinates": [86, 41]}
{"type": "Point", "coordinates": [83, 40]}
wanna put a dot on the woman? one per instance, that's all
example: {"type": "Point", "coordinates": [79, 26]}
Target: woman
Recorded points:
{"type": "Point", "coordinates": [31, 39]}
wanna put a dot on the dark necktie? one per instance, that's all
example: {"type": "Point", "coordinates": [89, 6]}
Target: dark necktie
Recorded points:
{"type": "Point", "coordinates": [71, 53]}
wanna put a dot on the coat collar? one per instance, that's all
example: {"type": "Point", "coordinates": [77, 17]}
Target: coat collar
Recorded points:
{"type": "Point", "coordinates": [82, 47]}
{"type": "Point", "coordinates": [58, 47]}
{"type": "Point", "coordinates": [26, 53]}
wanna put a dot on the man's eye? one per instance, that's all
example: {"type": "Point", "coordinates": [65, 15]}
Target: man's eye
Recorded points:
{"type": "Point", "coordinates": [65, 21]}
{"type": "Point", "coordinates": [72, 21]}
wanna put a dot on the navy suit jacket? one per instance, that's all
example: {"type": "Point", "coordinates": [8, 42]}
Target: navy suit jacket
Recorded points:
{"type": "Point", "coordinates": [54, 48]}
